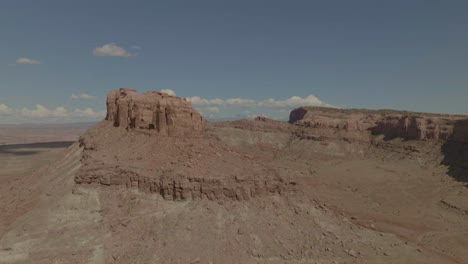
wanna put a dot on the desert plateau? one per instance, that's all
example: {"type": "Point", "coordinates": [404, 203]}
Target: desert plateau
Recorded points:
{"type": "Point", "coordinates": [233, 132]}
{"type": "Point", "coordinates": [156, 183]}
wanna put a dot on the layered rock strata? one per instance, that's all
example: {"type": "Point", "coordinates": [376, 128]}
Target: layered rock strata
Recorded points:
{"type": "Point", "coordinates": [391, 124]}
{"type": "Point", "coordinates": [161, 112]}
{"type": "Point", "coordinates": [180, 187]}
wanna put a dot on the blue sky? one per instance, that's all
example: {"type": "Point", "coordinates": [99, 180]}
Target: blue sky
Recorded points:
{"type": "Point", "coordinates": [410, 55]}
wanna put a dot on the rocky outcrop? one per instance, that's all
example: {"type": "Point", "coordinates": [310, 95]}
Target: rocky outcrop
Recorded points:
{"type": "Point", "coordinates": [390, 123]}
{"type": "Point", "coordinates": [161, 112]}
{"type": "Point", "coordinates": [415, 127]}
{"type": "Point", "coordinates": [323, 117]}
{"type": "Point", "coordinates": [263, 119]}
{"type": "Point", "coordinates": [179, 167]}
{"type": "Point", "coordinates": [173, 186]}
{"type": "Point", "coordinates": [319, 123]}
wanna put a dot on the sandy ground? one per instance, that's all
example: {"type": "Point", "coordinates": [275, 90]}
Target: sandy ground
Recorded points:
{"type": "Point", "coordinates": [419, 205]}
{"type": "Point", "coordinates": [18, 164]}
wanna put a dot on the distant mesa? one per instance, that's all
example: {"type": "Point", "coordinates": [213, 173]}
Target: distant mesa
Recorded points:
{"type": "Point", "coordinates": [161, 112]}
{"type": "Point", "coordinates": [390, 123]}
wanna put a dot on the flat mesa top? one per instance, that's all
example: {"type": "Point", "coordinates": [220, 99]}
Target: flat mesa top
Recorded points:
{"type": "Point", "coordinates": [376, 111]}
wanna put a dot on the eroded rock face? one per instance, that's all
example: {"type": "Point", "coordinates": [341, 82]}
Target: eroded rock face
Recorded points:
{"type": "Point", "coordinates": [166, 114]}
{"type": "Point", "coordinates": [176, 168]}
{"type": "Point", "coordinates": [390, 123]}
{"type": "Point", "coordinates": [416, 127]}
{"type": "Point", "coordinates": [322, 117]}
{"type": "Point", "coordinates": [183, 187]}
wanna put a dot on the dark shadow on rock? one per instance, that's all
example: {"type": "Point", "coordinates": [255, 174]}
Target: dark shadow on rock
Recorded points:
{"type": "Point", "coordinates": [455, 152]}
{"type": "Point", "coordinates": [379, 129]}
{"type": "Point", "coordinates": [386, 136]}
{"type": "Point", "coordinates": [28, 149]}
{"type": "Point", "coordinates": [392, 128]}
{"type": "Point", "coordinates": [387, 133]}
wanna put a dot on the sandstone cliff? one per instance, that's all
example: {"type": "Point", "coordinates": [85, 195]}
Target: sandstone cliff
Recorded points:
{"type": "Point", "coordinates": [166, 114]}
{"type": "Point", "coordinates": [390, 123]}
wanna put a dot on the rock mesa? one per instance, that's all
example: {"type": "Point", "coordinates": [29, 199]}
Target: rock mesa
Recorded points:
{"type": "Point", "coordinates": [390, 123]}
{"type": "Point", "coordinates": [161, 112]}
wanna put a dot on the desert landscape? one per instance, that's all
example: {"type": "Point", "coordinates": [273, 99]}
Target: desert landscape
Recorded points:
{"type": "Point", "coordinates": [156, 183]}
{"type": "Point", "coordinates": [233, 132]}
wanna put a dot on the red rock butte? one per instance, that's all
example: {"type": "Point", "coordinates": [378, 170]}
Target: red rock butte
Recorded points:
{"type": "Point", "coordinates": [161, 112]}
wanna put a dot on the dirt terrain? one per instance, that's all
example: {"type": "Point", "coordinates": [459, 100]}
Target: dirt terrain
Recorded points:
{"type": "Point", "coordinates": [18, 165]}
{"type": "Point", "coordinates": [155, 183]}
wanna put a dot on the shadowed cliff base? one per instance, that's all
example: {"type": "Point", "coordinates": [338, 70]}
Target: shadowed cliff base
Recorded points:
{"type": "Point", "coordinates": [455, 152]}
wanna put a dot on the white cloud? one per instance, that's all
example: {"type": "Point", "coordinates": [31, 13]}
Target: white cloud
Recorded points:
{"type": "Point", "coordinates": [235, 108]}
{"type": "Point", "coordinates": [135, 47]}
{"type": "Point", "coordinates": [41, 113]}
{"type": "Point", "coordinates": [209, 109]}
{"type": "Point", "coordinates": [87, 112]}
{"type": "Point", "coordinates": [294, 101]}
{"type": "Point", "coordinates": [27, 61]}
{"type": "Point", "coordinates": [60, 112]}
{"type": "Point", "coordinates": [240, 102]}
{"type": "Point", "coordinates": [111, 49]}
{"type": "Point", "coordinates": [196, 100]}
{"type": "Point", "coordinates": [4, 109]}
{"type": "Point", "coordinates": [84, 96]}
{"type": "Point", "coordinates": [213, 109]}
{"type": "Point", "coordinates": [168, 91]}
